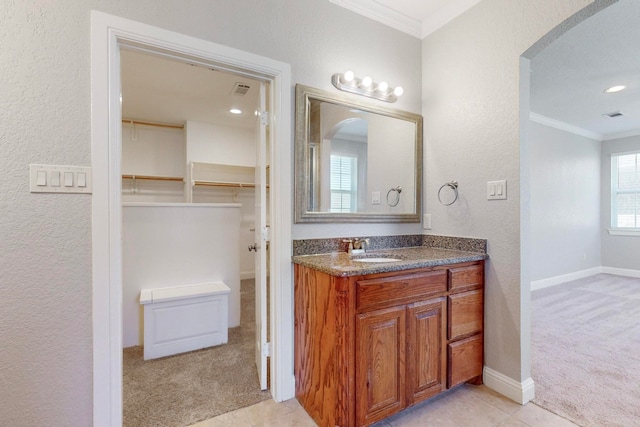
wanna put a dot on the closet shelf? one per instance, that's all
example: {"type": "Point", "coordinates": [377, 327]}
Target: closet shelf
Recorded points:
{"type": "Point", "coordinates": [154, 177]}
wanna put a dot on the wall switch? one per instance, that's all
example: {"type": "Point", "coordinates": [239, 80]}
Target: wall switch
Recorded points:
{"type": "Point", "coordinates": [68, 179]}
{"type": "Point", "coordinates": [426, 221]}
{"type": "Point", "coordinates": [375, 198]}
{"type": "Point", "coordinates": [55, 178]}
{"type": "Point", "coordinates": [497, 190]}
{"type": "Point", "coordinates": [41, 178]}
{"type": "Point", "coordinates": [59, 179]}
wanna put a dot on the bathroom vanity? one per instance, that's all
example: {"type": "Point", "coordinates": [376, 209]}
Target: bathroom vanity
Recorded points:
{"type": "Point", "coordinates": [373, 338]}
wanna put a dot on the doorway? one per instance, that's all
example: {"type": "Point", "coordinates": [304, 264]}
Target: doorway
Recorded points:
{"type": "Point", "coordinates": [189, 145]}
{"type": "Point", "coordinates": [566, 132]}
{"type": "Point", "coordinates": [109, 35]}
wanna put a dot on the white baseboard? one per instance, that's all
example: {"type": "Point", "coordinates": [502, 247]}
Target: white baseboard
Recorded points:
{"type": "Point", "coordinates": [552, 281]}
{"type": "Point", "coordinates": [621, 272]}
{"type": "Point", "coordinates": [520, 392]}
{"type": "Point", "coordinates": [247, 275]}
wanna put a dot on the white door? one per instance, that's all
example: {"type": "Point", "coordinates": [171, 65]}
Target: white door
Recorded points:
{"type": "Point", "coordinates": [261, 239]}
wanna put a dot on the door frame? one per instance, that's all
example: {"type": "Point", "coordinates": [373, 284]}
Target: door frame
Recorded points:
{"type": "Point", "coordinates": [108, 34]}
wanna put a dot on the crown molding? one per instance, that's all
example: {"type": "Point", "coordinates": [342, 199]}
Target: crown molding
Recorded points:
{"type": "Point", "coordinates": [445, 14]}
{"type": "Point", "coordinates": [544, 120]}
{"type": "Point", "coordinates": [619, 135]}
{"type": "Point", "coordinates": [383, 14]}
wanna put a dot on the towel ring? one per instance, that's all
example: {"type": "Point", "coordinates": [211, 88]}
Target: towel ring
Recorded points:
{"type": "Point", "coordinates": [453, 185]}
{"type": "Point", "coordinates": [397, 190]}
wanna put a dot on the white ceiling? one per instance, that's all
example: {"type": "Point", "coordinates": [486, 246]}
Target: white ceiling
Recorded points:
{"type": "Point", "coordinates": [567, 78]}
{"type": "Point", "coordinates": [162, 90]}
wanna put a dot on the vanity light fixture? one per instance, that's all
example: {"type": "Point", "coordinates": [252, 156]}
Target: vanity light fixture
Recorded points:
{"type": "Point", "coordinates": [614, 89]}
{"type": "Point", "coordinates": [365, 86]}
{"type": "Point", "coordinates": [235, 111]}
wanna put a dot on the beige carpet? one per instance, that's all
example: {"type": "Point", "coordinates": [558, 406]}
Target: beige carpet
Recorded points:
{"type": "Point", "coordinates": [585, 343]}
{"type": "Point", "coordinates": [180, 390]}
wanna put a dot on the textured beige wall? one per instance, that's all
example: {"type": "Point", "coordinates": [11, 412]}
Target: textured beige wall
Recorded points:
{"type": "Point", "coordinates": [45, 104]}
{"type": "Point", "coordinates": [471, 119]}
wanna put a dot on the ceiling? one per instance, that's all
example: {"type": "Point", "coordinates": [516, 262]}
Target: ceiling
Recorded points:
{"type": "Point", "coordinates": [162, 90]}
{"type": "Point", "coordinates": [567, 78]}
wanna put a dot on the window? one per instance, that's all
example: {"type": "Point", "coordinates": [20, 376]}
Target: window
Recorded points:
{"type": "Point", "coordinates": [625, 191]}
{"type": "Point", "coordinates": [343, 183]}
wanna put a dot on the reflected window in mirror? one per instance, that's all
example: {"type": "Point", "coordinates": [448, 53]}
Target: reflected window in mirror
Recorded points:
{"type": "Point", "coordinates": [344, 183]}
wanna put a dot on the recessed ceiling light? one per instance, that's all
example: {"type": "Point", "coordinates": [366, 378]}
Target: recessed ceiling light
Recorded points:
{"type": "Point", "coordinates": [235, 111]}
{"type": "Point", "coordinates": [614, 89]}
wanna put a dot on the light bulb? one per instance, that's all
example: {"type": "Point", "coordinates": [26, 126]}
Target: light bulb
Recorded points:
{"type": "Point", "coordinates": [348, 76]}
{"type": "Point", "coordinates": [398, 91]}
{"type": "Point", "coordinates": [383, 86]}
{"type": "Point", "coordinates": [366, 82]}
{"type": "Point", "coordinates": [235, 111]}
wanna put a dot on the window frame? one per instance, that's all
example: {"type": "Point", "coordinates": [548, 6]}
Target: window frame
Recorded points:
{"type": "Point", "coordinates": [615, 229]}
{"type": "Point", "coordinates": [353, 180]}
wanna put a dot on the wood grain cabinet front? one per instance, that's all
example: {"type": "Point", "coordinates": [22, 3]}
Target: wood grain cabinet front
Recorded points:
{"type": "Point", "coordinates": [367, 347]}
{"type": "Point", "coordinates": [380, 362]}
{"type": "Point", "coordinates": [465, 349]}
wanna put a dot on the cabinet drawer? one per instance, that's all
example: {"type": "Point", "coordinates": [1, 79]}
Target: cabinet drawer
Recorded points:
{"type": "Point", "coordinates": [466, 313]}
{"type": "Point", "coordinates": [465, 278]}
{"type": "Point", "coordinates": [396, 290]}
{"type": "Point", "coordinates": [465, 359]}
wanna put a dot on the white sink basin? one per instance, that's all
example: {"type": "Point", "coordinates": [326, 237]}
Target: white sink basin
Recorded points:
{"type": "Point", "coordinates": [377, 259]}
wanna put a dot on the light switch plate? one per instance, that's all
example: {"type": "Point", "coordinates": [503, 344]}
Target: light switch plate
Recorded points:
{"type": "Point", "coordinates": [497, 190]}
{"type": "Point", "coordinates": [60, 179]}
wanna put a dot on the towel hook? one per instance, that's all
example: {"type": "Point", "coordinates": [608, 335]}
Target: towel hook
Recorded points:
{"type": "Point", "coordinates": [397, 190]}
{"type": "Point", "coordinates": [454, 186]}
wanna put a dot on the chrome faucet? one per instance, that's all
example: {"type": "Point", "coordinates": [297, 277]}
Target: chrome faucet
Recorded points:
{"type": "Point", "coordinates": [356, 245]}
{"type": "Point", "coordinates": [359, 243]}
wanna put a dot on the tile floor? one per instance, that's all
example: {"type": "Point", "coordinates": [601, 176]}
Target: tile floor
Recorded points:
{"type": "Point", "coordinates": [465, 406]}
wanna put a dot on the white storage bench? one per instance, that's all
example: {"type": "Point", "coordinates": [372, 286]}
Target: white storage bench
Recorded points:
{"type": "Point", "coordinates": [184, 318]}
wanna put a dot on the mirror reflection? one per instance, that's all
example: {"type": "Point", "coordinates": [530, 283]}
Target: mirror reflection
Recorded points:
{"type": "Point", "coordinates": [355, 161]}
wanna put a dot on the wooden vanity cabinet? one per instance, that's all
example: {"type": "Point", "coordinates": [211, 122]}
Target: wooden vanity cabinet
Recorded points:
{"type": "Point", "coordinates": [367, 347]}
{"type": "Point", "coordinates": [400, 342]}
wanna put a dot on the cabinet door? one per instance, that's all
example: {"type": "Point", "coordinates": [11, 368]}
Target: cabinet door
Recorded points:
{"type": "Point", "coordinates": [380, 364]}
{"type": "Point", "coordinates": [426, 350]}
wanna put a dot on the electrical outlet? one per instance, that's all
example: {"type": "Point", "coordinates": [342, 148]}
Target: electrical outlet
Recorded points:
{"type": "Point", "coordinates": [375, 197]}
{"type": "Point", "coordinates": [426, 221]}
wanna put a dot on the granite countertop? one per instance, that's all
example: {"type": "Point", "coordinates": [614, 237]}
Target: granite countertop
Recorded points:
{"type": "Point", "coordinates": [342, 264]}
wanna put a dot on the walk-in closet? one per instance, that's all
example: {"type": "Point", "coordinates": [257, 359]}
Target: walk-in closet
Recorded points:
{"type": "Point", "coordinates": [189, 139]}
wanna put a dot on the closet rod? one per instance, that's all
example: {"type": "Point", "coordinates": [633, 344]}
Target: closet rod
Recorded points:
{"type": "Point", "coordinates": [154, 177]}
{"type": "Point", "coordinates": [225, 184]}
{"type": "Point", "coordinates": [162, 125]}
